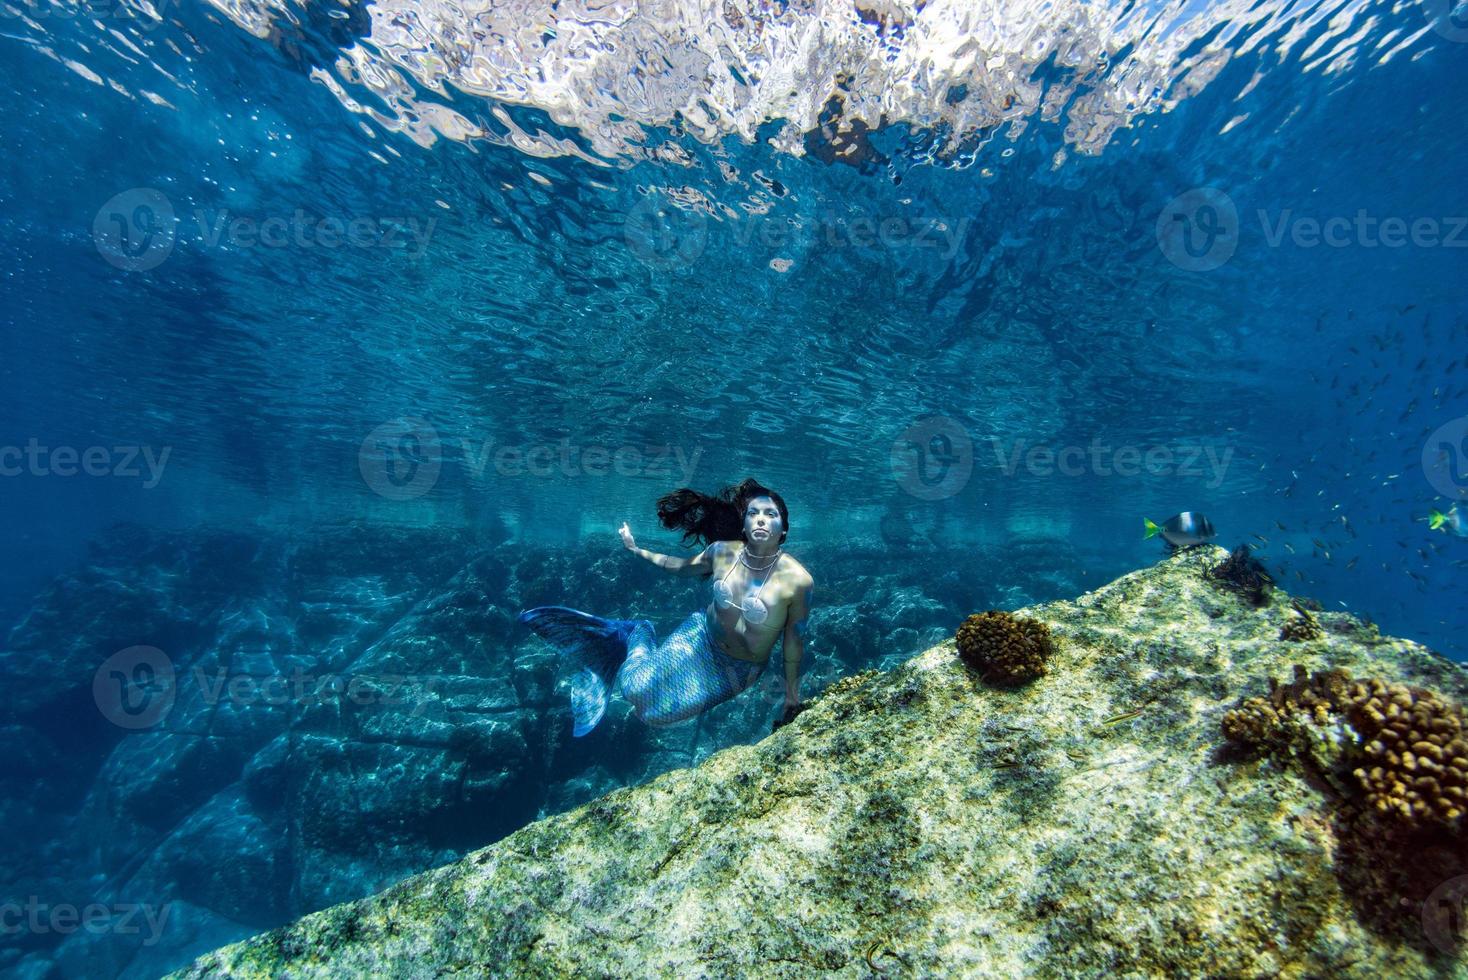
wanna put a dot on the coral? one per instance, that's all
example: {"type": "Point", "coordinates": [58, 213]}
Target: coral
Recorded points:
{"type": "Point", "coordinates": [1405, 746]}
{"type": "Point", "coordinates": [1006, 650]}
{"type": "Point", "coordinates": [1414, 766]}
{"type": "Point", "coordinates": [1244, 575]}
{"type": "Point", "coordinates": [1302, 626]}
{"type": "Point", "coordinates": [1298, 720]}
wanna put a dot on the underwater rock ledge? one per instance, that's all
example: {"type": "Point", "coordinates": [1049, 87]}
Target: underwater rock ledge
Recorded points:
{"type": "Point", "coordinates": [917, 822]}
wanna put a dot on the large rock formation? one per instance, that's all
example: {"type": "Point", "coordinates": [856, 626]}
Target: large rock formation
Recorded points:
{"type": "Point", "coordinates": [268, 788]}
{"type": "Point", "coordinates": [918, 823]}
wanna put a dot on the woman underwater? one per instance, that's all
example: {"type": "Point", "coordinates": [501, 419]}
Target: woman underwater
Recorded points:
{"type": "Point", "coordinates": [760, 594]}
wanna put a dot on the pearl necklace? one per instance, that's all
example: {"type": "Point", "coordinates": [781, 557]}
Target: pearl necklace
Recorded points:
{"type": "Point", "coordinates": [744, 557]}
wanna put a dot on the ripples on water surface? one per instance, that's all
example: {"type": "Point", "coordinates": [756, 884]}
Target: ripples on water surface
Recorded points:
{"type": "Point", "coordinates": [767, 237]}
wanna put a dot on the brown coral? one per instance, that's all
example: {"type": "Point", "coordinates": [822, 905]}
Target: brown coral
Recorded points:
{"type": "Point", "coordinates": [1006, 650]}
{"type": "Point", "coordinates": [1409, 754]}
{"type": "Point", "coordinates": [1414, 755]}
{"type": "Point", "coordinates": [1273, 723]}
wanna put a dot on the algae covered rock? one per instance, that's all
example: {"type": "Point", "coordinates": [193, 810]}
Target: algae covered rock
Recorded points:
{"type": "Point", "coordinates": [920, 822]}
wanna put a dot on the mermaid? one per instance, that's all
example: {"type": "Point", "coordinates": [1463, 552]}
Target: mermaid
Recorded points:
{"type": "Point", "coordinates": [760, 594]}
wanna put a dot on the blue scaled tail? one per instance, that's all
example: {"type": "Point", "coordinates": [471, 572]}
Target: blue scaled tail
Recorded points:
{"type": "Point", "coordinates": [597, 646]}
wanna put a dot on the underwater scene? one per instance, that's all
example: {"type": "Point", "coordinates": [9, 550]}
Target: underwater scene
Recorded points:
{"type": "Point", "coordinates": [657, 488]}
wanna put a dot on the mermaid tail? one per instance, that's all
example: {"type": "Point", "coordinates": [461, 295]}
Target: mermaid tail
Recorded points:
{"type": "Point", "coordinates": [666, 682]}
{"type": "Point", "coordinates": [598, 646]}
{"type": "Point", "coordinates": [683, 675]}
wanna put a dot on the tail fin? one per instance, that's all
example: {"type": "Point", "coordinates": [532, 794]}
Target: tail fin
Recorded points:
{"type": "Point", "coordinates": [1151, 529]}
{"type": "Point", "coordinates": [598, 646]}
{"type": "Point", "coordinates": [1436, 520]}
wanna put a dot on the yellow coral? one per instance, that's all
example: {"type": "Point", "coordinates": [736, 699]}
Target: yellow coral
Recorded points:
{"type": "Point", "coordinates": [1414, 764]}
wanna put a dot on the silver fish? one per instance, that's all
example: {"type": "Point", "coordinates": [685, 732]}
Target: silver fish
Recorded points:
{"type": "Point", "coordinates": [1183, 530]}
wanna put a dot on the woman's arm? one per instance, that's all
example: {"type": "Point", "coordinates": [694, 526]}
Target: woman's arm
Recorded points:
{"type": "Point", "coordinates": [701, 564]}
{"type": "Point", "coordinates": [794, 645]}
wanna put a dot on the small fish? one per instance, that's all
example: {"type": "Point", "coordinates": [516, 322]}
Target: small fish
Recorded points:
{"type": "Point", "coordinates": [1262, 538]}
{"type": "Point", "coordinates": [1125, 716]}
{"type": "Point", "coordinates": [878, 947]}
{"type": "Point", "coordinates": [1453, 522]}
{"type": "Point", "coordinates": [1182, 530]}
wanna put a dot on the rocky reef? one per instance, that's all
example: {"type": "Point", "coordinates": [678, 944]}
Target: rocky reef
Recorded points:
{"type": "Point", "coordinates": [919, 822]}
{"type": "Point", "coordinates": [348, 705]}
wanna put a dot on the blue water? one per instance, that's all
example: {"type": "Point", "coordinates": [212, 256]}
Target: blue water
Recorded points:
{"type": "Point", "coordinates": [974, 340]}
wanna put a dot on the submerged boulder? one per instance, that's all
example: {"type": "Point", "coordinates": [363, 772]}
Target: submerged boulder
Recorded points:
{"type": "Point", "coordinates": [918, 822]}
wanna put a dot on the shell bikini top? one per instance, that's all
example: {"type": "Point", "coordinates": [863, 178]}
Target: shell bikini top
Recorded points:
{"type": "Point", "coordinates": [753, 607]}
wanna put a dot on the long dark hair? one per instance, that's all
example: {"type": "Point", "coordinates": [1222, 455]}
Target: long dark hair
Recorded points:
{"type": "Point", "coordinates": [707, 519]}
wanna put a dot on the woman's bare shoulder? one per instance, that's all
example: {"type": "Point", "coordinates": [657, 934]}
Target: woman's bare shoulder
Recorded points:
{"type": "Point", "coordinates": [798, 573]}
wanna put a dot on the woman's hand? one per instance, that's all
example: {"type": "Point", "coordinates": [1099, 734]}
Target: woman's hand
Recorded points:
{"type": "Point", "coordinates": [788, 715]}
{"type": "Point", "coordinates": [626, 533]}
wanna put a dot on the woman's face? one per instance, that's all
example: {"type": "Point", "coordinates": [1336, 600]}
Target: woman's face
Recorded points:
{"type": "Point", "coordinates": [762, 521]}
